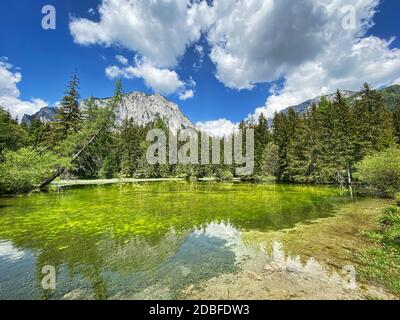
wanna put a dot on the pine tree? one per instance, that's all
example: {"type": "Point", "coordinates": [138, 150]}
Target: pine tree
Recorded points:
{"type": "Point", "coordinates": [12, 135]}
{"type": "Point", "coordinates": [374, 127]}
{"type": "Point", "coordinates": [39, 133]}
{"type": "Point", "coordinates": [261, 140]}
{"type": "Point", "coordinates": [284, 130]}
{"type": "Point", "coordinates": [69, 114]}
{"type": "Point", "coordinates": [396, 123]}
{"type": "Point", "coordinates": [344, 134]}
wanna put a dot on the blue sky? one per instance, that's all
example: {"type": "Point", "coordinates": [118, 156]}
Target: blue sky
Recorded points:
{"type": "Point", "coordinates": [255, 62]}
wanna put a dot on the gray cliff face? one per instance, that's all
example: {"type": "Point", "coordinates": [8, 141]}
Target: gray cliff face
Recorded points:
{"type": "Point", "coordinates": [145, 109]}
{"type": "Point", "coordinates": [140, 107]}
{"type": "Point", "coordinates": [45, 115]}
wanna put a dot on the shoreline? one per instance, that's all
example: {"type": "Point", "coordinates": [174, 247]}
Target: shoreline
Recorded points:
{"type": "Point", "coordinates": [67, 183]}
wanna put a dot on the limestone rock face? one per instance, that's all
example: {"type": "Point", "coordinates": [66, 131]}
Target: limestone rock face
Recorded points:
{"type": "Point", "coordinates": [144, 109]}
{"type": "Point", "coordinates": [140, 107]}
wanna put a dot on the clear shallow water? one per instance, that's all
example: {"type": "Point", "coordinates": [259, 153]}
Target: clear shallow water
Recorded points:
{"type": "Point", "coordinates": [139, 241]}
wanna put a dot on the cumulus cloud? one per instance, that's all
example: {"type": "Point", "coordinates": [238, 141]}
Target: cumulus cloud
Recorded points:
{"type": "Point", "coordinates": [158, 30]}
{"type": "Point", "coordinates": [188, 94]}
{"type": "Point", "coordinates": [10, 94]}
{"type": "Point", "coordinates": [368, 60]}
{"type": "Point", "coordinates": [162, 81]}
{"type": "Point", "coordinates": [218, 128]}
{"type": "Point", "coordinates": [302, 43]}
{"type": "Point", "coordinates": [121, 59]}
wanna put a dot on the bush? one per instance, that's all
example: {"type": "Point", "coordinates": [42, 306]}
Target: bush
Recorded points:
{"type": "Point", "coordinates": [390, 216]}
{"type": "Point", "coordinates": [23, 170]}
{"type": "Point", "coordinates": [225, 175]}
{"type": "Point", "coordinates": [392, 235]}
{"type": "Point", "coordinates": [397, 198]}
{"type": "Point", "coordinates": [380, 173]}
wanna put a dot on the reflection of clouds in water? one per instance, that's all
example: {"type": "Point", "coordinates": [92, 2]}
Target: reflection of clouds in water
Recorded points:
{"type": "Point", "coordinates": [9, 252]}
{"type": "Point", "coordinates": [279, 261]}
{"type": "Point", "coordinates": [230, 235]}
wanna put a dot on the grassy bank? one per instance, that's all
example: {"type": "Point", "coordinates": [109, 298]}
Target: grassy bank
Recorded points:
{"type": "Point", "coordinates": [381, 263]}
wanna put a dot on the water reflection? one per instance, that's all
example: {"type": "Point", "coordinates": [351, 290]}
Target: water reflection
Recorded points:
{"type": "Point", "coordinates": [9, 252]}
{"type": "Point", "coordinates": [143, 241]}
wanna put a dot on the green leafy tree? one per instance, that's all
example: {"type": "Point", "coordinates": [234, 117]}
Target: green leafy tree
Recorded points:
{"type": "Point", "coordinates": [25, 169]}
{"type": "Point", "coordinates": [380, 172]}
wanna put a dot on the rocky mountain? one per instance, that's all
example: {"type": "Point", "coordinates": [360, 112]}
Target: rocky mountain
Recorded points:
{"type": "Point", "coordinates": [144, 109]}
{"type": "Point", "coordinates": [140, 107]}
{"type": "Point", "coordinates": [304, 106]}
{"type": "Point", "coordinates": [391, 96]}
{"type": "Point", "coordinates": [46, 114]}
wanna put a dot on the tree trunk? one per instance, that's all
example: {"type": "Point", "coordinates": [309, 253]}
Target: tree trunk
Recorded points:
{"type": "Point", "coordinates": [61, 170]}
{"type": "Point", "coordinates": [349, 180]}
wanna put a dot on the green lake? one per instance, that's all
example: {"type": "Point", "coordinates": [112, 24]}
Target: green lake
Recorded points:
{"type": "Point", "coordinates": [144, 240]}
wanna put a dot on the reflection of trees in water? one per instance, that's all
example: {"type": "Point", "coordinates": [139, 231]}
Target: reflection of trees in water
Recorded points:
{"type": "Point", "coordinates": [137, 233]}
{"type": "Point", "coordinates": [199, 258]}
{"type": "Point", "coordinates": [87, 258]}
{"type": "Point", "coordinates": [138, 255]}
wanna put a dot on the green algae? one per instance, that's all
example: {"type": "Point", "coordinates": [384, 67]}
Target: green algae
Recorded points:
{"type": "Point", "coordinates": [144, 240]}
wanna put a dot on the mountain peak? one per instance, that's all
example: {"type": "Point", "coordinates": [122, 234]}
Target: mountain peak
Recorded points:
{"type": "Point", "coordinates": [139, 106]}
{"type": "Point", "coordinates": [304, 106]}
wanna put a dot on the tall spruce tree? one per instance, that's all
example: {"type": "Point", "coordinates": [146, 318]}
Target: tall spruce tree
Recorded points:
{"type": "Point", "coordinates": [261, 140]}
{"type": "Point", "coordinates": [342, 140]}
{"type": "Point", "coordinates": [374, 127]}
{"type": "Point", "coordinates": [69, 115]}
{"type": "Point", "coordinates": [284, 130]}
{"type": "Point", "coordinates": [396, 123]}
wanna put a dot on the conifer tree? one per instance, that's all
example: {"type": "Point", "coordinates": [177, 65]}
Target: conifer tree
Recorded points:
{"type": "Point", "coordinates": [284, 130]}
{"type": "Point", "coordinates": [374, 128]}
{"type": "Point", "coordinates": [12, 135]}
{"type": "Point", "coordinates": [261, 140]}
{"type": "Point", "coordinates": [396, 123]}
{"type": "Point", "coordinates": [69, 114]}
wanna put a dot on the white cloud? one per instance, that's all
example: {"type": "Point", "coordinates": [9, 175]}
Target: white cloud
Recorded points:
{"type": "Point", "coordinates": [218, 128]}
{"type": "Point", "coordinates": [302, 42]}
{"type": "Point", "coordinates": [188, 94]}
{"type": "Point", "coordinates": [158, 30]}
{"type": "Point", "coordinates": [162, 81]}
{"type": "Point", "coordinates": [8, 79]}
{"type": "Point", "coordinates": [199, 50]}
{"type": "Point", "coordinates": [257, 41]}
{"type": "Point", "coordinates": [367, 60]}
{"type": "Point", "coordinates": [121, 59]}
{"type": "Point", "coordinates": [10, 94]}
{"type": "Point", "coordinates": [250, 42]}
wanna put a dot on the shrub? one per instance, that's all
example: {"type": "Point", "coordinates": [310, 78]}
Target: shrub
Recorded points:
{"type": "Point", "coordinates": [380, 172]}
{"type": "Point", "coordinates": [225, 175]}
{"type": "Point", "coordinates": [23, 170]}
{"type": "Point", "coordinates": [392, 235]}
{"type": "Point", "coordinates": [390, 216]}
{"type": "Point", "coordinates": [397, 198]}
